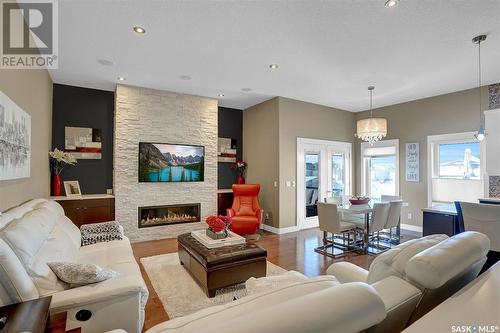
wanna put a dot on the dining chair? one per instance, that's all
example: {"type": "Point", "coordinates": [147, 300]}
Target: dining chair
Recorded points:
{"type": "Point", "coordinates": [378, 222]}
{"type": "Point", "coordinates": [330, 221]}
{"type": "Point", "coordinates": [391, 223]}
{"type": "Point", "coordinates": [389, 198]}
{"type": "Point", "coordinates": [394, 221]}
{"type": "Point", "coordinates": [484, 218]}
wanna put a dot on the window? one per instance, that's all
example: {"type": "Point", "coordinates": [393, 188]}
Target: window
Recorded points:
{"type": "Point", "coordinates": [380, 168]}
{"type": "Point", "coordinates": [312, 184]}
{"type": "Point", "coordinates": [455, 169]}
{"type": "Point", "coordinates": [338, 175]}
{"type": "Point", "coordinates": [460, 160]}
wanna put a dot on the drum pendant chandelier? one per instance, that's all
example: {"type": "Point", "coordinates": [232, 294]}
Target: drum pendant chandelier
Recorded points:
{"type": "Point", "coordinates": [371, 129]}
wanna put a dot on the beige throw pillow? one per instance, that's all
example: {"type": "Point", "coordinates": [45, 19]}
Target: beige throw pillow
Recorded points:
{"type": "Point", "coordinates": [81, 274]}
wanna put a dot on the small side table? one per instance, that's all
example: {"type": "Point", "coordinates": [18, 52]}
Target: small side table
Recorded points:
{"type": "Point", "coordinates": [30, 316]}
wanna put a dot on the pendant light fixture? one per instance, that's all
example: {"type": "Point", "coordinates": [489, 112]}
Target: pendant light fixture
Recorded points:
{"type": "Point", "coordinates": [371, 129]}
{"type": "Point", "coordinates": [480, 135]}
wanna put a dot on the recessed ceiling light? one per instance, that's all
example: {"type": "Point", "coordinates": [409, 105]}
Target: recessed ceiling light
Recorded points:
{"type": "Point", "coordinates": [391, 3]}
{"type": "Point", "coordinates": [139, 30]}
{"type": "Point", "coordinates": [220, 95]}
{"type": "Point", "coordinates": [105, 62]}
{"type": "Point", "coordinates": [273, 66]}
{"type": "Point", "coordinates": [246, 89]}
{"type": "Point", "coordinates": [185, 77]}
{"type": "Point", "coordinates": [121, 78]}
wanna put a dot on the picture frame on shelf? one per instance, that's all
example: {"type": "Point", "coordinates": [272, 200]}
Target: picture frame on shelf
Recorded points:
{"type": "Point", "coordinates": [72, 188]}
{"type": "Point", "coordinates": [227, 150]}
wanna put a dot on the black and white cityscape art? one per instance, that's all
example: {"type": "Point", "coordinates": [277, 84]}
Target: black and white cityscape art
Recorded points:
{"type": "Point", "coordinates": [15, 140]}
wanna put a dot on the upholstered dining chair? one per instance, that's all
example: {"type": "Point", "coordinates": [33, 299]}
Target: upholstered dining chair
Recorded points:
{"type": "Point", "coordinates": [378, 222]}
{"type": "Point", "coordinates": [246, 214]}
{"type": "Point", "coordinates": [330, 221]}
{"type": "Point", "coordinates": [394, 220]}
{"type": "Point", "coordinates": [484, 218]}
{"type": "Point", "coordinates": [389, 198]}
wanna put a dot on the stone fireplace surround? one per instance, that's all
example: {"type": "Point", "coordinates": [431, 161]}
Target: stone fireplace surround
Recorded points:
{"type": "Point", "coordinates": [148, 115]}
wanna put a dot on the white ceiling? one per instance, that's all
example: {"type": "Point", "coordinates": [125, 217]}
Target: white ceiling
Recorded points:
{"type": "Point", "coordinates": [328, 51]}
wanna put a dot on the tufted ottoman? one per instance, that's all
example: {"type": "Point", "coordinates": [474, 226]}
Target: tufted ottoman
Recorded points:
{"type": "Point", "coordinates": [221, 267]}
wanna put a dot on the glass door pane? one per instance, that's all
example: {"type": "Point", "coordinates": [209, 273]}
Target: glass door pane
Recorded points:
{"type": "Point", "coordinates": [312, 183]}
{"type": "Point", "coordinates": [382, 176]}
{"type": "Point", "coordinates": [338, 177]}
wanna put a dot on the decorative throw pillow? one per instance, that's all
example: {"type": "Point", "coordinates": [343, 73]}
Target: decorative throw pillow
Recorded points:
{"type": "Point", "coordinates": [81, 274]}
{"type": "Point", "coordinates": [89, 239]}
{"type": "Point", "coordinates": [99, 228]}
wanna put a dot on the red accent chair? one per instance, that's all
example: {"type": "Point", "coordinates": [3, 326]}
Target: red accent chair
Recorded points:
{"type": "Point", "coordinates": [245, 213]}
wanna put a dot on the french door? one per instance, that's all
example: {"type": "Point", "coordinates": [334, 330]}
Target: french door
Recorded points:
{"type": "Point", "coordinates": [323, 170]}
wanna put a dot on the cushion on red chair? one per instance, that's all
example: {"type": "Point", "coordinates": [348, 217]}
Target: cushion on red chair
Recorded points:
{"type": "Point", "coordinates": [246, 206]}
{"type": "Point", "coordinates": [245, 219]}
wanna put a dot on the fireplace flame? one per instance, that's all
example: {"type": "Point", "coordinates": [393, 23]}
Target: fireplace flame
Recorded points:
{"type": "Point", "coordinates": [170, 217]}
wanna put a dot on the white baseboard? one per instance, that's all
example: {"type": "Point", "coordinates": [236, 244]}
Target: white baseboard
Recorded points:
{"type": "Point", "coordinates": [411, 227]}
{"type": "Point", "coordinates": [279, 231]}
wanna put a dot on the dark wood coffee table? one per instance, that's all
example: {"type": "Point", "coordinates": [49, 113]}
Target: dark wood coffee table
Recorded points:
{"type": "Point", "coordinates": [221, 267]}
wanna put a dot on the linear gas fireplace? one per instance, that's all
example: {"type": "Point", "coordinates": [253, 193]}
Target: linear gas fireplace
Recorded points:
{"type": "Point", "coordinates": [153, 216]}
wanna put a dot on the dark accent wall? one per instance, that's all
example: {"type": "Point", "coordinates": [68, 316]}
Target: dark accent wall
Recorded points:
{"type": "Point", "coordinates": [82, 107]}
{"type": "Point", "coordinates": [230, 126]}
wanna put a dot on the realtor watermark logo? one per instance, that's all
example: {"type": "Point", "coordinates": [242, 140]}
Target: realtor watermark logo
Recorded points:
{"type": "Point", "coordinates": [29, 34]}
{"type": "Point", "coordinates": [474, 328]}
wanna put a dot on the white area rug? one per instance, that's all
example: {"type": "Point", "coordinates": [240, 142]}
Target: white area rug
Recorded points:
{"type": "Point", "coordinates": [178, 291]}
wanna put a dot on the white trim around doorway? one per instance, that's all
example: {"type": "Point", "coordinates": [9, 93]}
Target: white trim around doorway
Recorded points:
{"type": "Point", "coordinates": [322, 147]}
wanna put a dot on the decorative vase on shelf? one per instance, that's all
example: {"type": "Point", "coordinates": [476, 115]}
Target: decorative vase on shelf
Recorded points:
{"type": "Point", "coordinates": [56, 185]}
{"type": "Point", "coordinates": [240, 179]}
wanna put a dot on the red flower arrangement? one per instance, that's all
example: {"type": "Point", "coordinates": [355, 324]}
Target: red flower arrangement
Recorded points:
{"type": "Point", "coordinates": [218, 223]}
{"type": "Point", "coordinates": [240, 167]}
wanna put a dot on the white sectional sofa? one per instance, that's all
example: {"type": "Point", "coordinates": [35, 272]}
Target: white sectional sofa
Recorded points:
{"type": "Point", "coordinates": [38, 232]}
{"type": "Point", "coordinates": [320, 305]}
{"type": "Point", "coordinates": [401, 285]}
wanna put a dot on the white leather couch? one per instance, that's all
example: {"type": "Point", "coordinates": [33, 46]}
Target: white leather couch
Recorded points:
{"type": "Point", "coordinates": [437, 265]}
{"type": "Point", "coordinates": [475, 308]}
{"type": "Point", "coordinates": [38, 232]}
{"type": "Point", "coordinates": [320, 305]}
{"type": "Point", "coordinates": [401, 285]}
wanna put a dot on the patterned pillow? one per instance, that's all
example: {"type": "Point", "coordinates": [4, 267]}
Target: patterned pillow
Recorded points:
{"type": "Point", "coordinates": [99, 228]}
{"type": "Point", "coordinates": [81, 274]}
{"type": "Point", "coordinates": [90, 239]}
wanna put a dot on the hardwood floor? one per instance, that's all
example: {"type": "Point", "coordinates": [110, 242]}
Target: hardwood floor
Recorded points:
{"type": "Point", "coordinates": [293, 251]}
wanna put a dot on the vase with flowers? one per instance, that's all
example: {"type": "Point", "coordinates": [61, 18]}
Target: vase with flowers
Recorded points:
{"type": "Point", "coordinates": [58, 160]}
{"type": "Point", "coordinates": [240, 168]}
{"type": "Point", "coordinates": [218, 226]}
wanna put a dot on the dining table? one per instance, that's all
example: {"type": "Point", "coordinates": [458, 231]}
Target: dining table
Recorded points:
{"type": "Point", "coordinates": [364, 210]}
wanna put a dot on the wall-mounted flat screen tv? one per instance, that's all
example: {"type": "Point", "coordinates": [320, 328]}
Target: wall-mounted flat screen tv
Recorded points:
{"type": "Point", "coordinates": [171, 163]}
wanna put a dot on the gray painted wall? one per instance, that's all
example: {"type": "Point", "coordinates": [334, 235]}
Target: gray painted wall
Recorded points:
{"type": "Point", "coordinates": [413, 122]}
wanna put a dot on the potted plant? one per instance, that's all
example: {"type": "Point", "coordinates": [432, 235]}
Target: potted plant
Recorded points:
{"type": "Point", "coordinates": [240, 168]}
{"type": "Point", "coordinates": [58, 160]}
{"type": "Point", "coordinates": [218, 226]}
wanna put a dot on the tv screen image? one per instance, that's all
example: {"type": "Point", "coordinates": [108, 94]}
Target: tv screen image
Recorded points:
{"type": "Point", "coordinates": [160, 162]}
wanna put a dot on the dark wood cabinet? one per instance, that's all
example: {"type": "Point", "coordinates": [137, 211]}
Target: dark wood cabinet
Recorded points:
{"type": "Point", "coordinates": [439, 223]}
{"type": "Point", "coordinates": [88, 209]}
{"type": "Point", "coordinates": [441, 219]}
